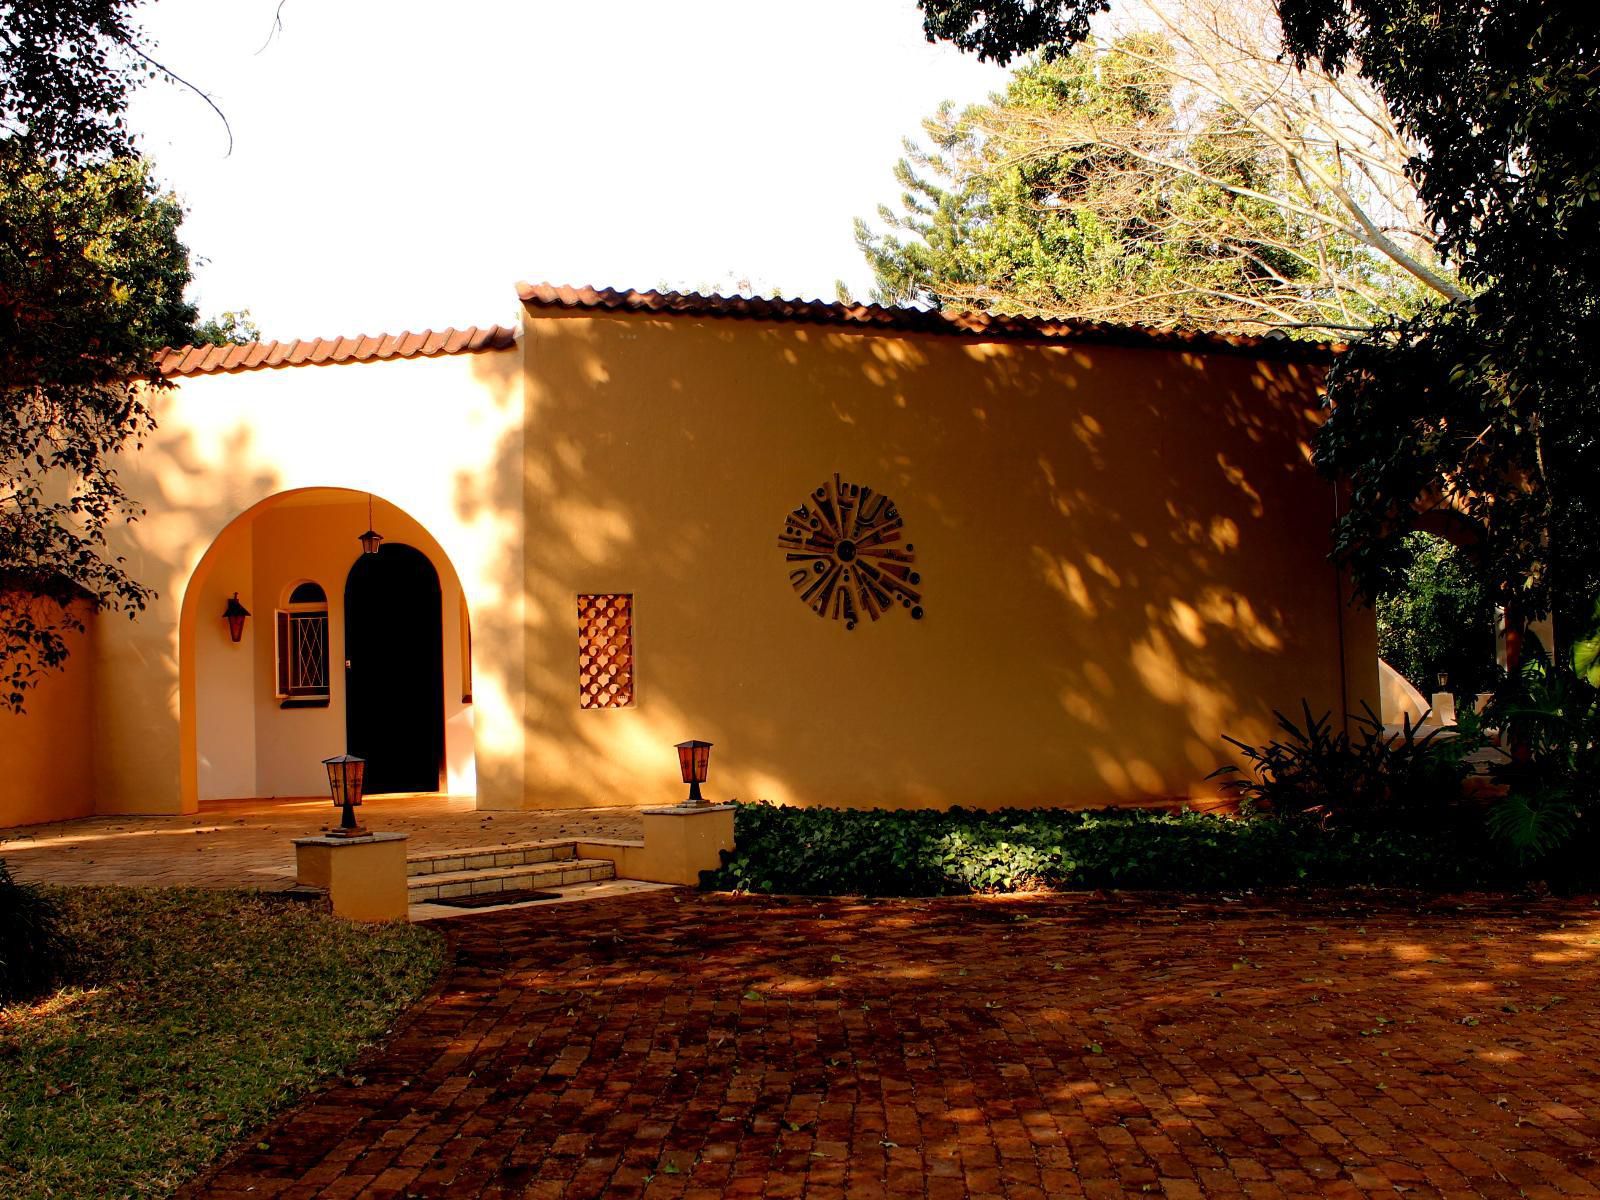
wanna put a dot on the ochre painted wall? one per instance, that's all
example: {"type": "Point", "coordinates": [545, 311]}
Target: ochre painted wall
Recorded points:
{"type": "Point", "coordinates": [1123, 554]}
{"type": "Point", "coordinates": [46, 764]}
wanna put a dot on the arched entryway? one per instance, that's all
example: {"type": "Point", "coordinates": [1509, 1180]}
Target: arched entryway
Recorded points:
{"type": "Point", "coordinates": [260, 713]}
{"type": "Point", "coordinates": [394, 669]}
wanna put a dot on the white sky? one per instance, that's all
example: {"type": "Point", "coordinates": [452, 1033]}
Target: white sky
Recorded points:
{"type": "Point", "coordinates": [400, 165]}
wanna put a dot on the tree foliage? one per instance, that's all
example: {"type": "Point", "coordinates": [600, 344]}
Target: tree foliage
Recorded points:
{"type": "Point", "coordinates": [230, 328]}
{"type": "Point", "coordinates": [92, 279]}
{"type": "Point", "coordinates": [1439, 621]}
{"type": "Point", "coordinates": [1181, 173]}
{"type": "Point", "coordinates": [1489, 406]}
{"type": "Point", "coordinates": [999, 30]}
{"type": "Point", "coordinates": [67, 69]}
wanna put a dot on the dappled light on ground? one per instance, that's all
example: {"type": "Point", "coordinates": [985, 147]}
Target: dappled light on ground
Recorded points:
{"type": "Point", "coordinates": [681, 1044]}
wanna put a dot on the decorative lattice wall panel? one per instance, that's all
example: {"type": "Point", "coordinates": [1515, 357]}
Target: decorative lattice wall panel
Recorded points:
{"type": "Point", "coordinates": [605, 651]}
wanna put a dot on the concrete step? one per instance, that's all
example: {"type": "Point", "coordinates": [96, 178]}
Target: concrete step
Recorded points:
{"type": "Point", "coordinates": [475, 858]}
{"type": "Point", "coordinates": [436, 885]}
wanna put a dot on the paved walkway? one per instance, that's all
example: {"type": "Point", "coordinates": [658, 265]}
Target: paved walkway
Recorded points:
{"type": "Point", "coordinates": [246, 843]}
{"type": "Point", "coordinates": [680, 1045]}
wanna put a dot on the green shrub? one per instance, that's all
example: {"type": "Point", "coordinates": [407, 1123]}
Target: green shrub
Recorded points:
{"type": "Point", "coordinates": [826, 851]}
{"type": "Point", "coordinates": [1549, 817]}
{"type": "Point", "coordinates": [1374, 780]}
{"type": "Point", "coordinates": [34, 952]}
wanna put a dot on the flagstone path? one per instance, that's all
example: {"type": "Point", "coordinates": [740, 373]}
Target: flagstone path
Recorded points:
{"type": "Point", "coordinates": [698, 1046]}
{"type": "Point", "coordinates": [246, 843]}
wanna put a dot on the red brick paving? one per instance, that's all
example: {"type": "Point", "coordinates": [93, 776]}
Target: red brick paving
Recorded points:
{"type": "Point", "coordinates": [689, 1046]}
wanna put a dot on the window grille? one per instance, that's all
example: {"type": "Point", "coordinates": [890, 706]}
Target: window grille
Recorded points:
{"type": "Point", "coordinates": [301, 646]}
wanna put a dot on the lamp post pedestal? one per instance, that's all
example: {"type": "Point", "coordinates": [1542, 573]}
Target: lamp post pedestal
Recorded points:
{"type": "Point", "coordinates": [364, 875]}
{"type": "Point", "coordinates": [1442, 709]}
{"type": "Point", "coordinates": [683, 840]}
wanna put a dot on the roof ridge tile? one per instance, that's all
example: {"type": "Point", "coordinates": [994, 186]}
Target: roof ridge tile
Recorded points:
{"type": "Point", "coordinates": [961, 323]}
{"type": "Point", "coordinates": [359, 347]}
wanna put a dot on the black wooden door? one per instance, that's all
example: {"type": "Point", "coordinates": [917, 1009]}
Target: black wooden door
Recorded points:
{"type": "Point", "coordinates": [394, 669]}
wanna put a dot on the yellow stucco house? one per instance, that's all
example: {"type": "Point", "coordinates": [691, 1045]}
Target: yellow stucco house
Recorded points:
{"type": "Point", "coordinates": [877, 556]}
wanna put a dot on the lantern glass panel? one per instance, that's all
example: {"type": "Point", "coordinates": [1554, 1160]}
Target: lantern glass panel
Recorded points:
{"type": "Point", "coordinates": [234, 614]}
{"type": "Point", "coordinates": [346, 774]}
{"type": "Point", "coordinates": [694, 760]}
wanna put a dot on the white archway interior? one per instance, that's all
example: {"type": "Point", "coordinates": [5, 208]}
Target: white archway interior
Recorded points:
{"type": "Point", "coordinates": [246, 741]}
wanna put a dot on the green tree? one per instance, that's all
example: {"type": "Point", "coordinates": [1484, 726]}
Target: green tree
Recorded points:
{"type": "Point", "coordinates": [1000, 30]}
{"type": "Point", "coordinates": [1440, 621]}
{"type": "Point", "coordinates": [996, 217]}
{"type": "Point", "coordinates": [92, 279]}
{"type": "Point", "coordinates": [1489, 406]}
{"type": "Point", "coordinates": [1180, 174]}
{"type": "Point", "coordinates": [231, 328]}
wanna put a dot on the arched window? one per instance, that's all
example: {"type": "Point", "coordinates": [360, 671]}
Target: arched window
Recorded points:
{"type": "Point", "coordinates": [301, 647]}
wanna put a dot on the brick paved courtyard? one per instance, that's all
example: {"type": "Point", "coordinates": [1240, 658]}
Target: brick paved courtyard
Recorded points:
{"type": "Point", "coordinates": [680, 1045]}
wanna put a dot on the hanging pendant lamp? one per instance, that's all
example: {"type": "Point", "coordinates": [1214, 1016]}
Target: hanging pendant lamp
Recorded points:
{"type": "Point", "coordinates": [371, 539]}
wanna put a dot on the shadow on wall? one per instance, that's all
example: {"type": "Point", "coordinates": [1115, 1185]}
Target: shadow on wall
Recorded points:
{"type": "Point", "coordinates": [184, 485]}
{"type": "Point", "coordinates": [45, 772]}
{"type": "Point", "coordinates": [1123, 556]}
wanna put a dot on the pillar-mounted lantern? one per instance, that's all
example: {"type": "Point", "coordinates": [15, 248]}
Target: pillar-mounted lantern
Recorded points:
{"type": "Point", "coordinates": [371, 539]}
{"type": "Point", "coordinates": [345, 774]}
{"type": "Point", "coordinates": [234, 615]}
{"type": "Point", "coordinates": [694, 758]}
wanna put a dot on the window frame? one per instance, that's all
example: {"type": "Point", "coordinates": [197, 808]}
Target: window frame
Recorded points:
{"type": "Point", "coordinates": [290, 691]}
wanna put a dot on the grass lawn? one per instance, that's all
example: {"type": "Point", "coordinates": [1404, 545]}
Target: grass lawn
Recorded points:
{"type": "Point", "coordinates": [196, 1016]}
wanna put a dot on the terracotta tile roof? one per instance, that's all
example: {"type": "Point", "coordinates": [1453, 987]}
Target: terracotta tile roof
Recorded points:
{"type": "Point", "coordinates": [256, 356]}
{"type": "Point", "coordinates": [985, 326]}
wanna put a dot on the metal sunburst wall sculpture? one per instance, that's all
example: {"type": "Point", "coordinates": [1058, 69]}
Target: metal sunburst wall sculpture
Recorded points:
{"type": "Point", "coordinates": [847, 556]}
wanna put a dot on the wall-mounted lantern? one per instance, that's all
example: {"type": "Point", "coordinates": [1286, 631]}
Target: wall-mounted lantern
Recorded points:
{"type": "Point", "coordinates": [371, 539]}
{"type": "Point", "coordinates": [345, 775]}
{"type": "Point", "coordinates": [694, 758]}
{"type": "Point", "coordinates": [234, 615]}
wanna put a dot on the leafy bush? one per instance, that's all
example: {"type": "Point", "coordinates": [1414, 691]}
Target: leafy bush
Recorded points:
{"type": "Point", "coordinates": [1374, 780]}
{"type": "Point", "coordinates": [827, 851]}
{"type": "Point", "coordinates": [34, 952]}
{"type": "Point", "coordinates": [1550, 813]}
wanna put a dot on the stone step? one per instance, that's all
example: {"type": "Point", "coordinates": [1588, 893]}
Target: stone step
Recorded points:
{"type": "Point", "coordinates": [537, 876]}
{"type": "Point", "coordinates": [475, 858]}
